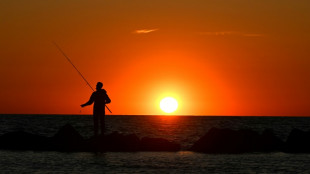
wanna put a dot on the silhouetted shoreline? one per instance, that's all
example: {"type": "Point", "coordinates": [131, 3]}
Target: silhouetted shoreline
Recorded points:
{"type": "Point", "coordinates": [215, 141]}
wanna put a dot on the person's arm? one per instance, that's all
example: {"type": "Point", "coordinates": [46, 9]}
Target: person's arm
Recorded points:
{"type": "Point", "coordinates": [90, 101]}
{"type": "Point", "coordinates": [107, 99]}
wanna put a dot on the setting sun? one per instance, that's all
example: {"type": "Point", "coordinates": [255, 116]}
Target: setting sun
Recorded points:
{"type": "Point", "coordinates": [168, 104]}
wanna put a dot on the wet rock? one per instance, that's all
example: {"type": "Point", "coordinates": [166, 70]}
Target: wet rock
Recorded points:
{"type": "Point", "coordinates": [298, 142]}
{"type": "Point", "coordinates": [268, 142]}
{"type": "Point", "coordinates": [158, 144]}
{"type": "Point", "coordinates": [236, 141]}
{"type": "Point", "coordinates": [117, 142]}
{"type": "Point", "coordinates": [67, 139]}
{"type": "Point", "coordinates": [23, 141]}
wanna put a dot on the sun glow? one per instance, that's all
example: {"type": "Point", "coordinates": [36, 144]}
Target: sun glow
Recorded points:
{"type": "Point", "coordinates": [168, 105]}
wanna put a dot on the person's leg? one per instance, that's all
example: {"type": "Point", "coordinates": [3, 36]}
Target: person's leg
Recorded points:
{"type": "Point", "coordinates": [96, 125]}
{"type": "Point", "coordinates": [102, 123]}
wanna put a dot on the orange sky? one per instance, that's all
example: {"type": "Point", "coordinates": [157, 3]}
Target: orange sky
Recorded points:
{"type": "Point", "coordinates": [232, 57]}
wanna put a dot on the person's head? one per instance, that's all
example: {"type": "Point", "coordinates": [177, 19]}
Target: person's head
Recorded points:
{"type": "Point", "coordinates": [99, 85]}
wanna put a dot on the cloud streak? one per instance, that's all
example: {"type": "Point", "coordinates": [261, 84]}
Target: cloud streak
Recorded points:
{"type": "Point", "coordinates": [145, 31]}
{"type": "Point", "coordinates": [230, 33]}
{"type": "Point", "coordinates": [253, 35]}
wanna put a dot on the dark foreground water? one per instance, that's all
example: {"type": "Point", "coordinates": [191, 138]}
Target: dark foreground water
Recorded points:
{"type": "Point", "coordinates": [184, 130]}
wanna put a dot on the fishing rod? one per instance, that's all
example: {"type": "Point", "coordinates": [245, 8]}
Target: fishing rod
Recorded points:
{"type": "Point", "coordinates": [64, 54]}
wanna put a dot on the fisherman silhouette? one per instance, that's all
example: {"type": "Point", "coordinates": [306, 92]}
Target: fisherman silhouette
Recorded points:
{"type": "Point", "coordinates": [99, 98]}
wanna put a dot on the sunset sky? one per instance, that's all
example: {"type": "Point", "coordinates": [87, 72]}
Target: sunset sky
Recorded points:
{"type": "Point", "coordinates": [215, 57]}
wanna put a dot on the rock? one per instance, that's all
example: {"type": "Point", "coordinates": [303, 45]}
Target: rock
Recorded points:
{"type": "Point", "coordinates": [236, 141]}
{"type": "Point", "coordinates": [268, 142]}
{"type": "Point", "coordinates": [298, 142]}
{"type": "Point", "coordinates": [68, 139]}
{"type": "Point", "coordinates": [117, 142]}
{"type": "Point", "coordinates": [225, 141]}
{"type": "Point", "coordinates": [131, 143]}
{"type": "Point", "coordinates": [23, 141]}
{"type": "Point", "coordinates": [158, 144]}
{"type": "Point", "coordinates": [68, 134]}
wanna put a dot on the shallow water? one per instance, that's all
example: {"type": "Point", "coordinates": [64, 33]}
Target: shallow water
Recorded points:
{"type": "Point", "coordinates": [151, 162]}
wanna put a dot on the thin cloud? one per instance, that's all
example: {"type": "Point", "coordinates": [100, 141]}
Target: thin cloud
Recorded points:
{"type": "Point", "coordinates": [145, 31]}
{"type": "Point", "coordinates": [253, 35]}
{"type": "Point", "coordinates": [230, 33]}
{"type": "Point", "coordinates": [218, 33]}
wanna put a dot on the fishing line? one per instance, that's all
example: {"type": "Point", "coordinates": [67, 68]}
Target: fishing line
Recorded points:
{"type": "Point", "coordinates": [64, 54]}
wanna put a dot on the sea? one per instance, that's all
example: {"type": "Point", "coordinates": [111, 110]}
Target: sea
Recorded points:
{"type": "Point", "coordinates": [181, 129]}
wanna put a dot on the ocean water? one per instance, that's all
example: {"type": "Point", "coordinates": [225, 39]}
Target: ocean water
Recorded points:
{"type": "Point", "coordinates": [182, 129]}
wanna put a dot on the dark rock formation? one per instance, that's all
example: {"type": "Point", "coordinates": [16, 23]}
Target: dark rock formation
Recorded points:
{"type": "Point", "coordinates": [158, 144]}
{"type": "Point", "coordinates": [67, 139]}
{"type": "Point", "coordinates": [23, 141]}
{"type": "Point", "coordinates": [236, 141]}
{"type": "Point", "coordinates": [116, 142]}
{"type": "Point", "coordinates": [298, 142]}
{"type": "Point", "coordinates": [268, 142]}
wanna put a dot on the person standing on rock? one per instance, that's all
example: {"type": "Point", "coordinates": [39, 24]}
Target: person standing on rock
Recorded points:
{"type": "Point", "coordinates": [100, 98]}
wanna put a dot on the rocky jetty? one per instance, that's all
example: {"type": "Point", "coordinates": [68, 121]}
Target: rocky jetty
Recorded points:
{"type": "Point", "coordinates": [237, 141]}
{"type": "Point", "coordinates": [298, 142]}
{"type": "Point", "coordinates": [215, 141]}
{"type": "Point", "coordinates": [23, 141]}
{"type": "Point", "coordinates": [67, 139]}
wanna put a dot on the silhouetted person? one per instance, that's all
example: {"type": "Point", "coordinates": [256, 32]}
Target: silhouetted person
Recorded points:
{"type": "Point", "coordinates": [99, 98]}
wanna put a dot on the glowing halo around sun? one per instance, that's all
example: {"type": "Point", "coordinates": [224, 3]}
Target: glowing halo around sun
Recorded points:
{"type": "Point", "coordinates": [168, 105]}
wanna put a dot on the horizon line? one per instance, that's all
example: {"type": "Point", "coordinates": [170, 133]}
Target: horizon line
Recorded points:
{"type": "Point", "coordinates": [182, 115]}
